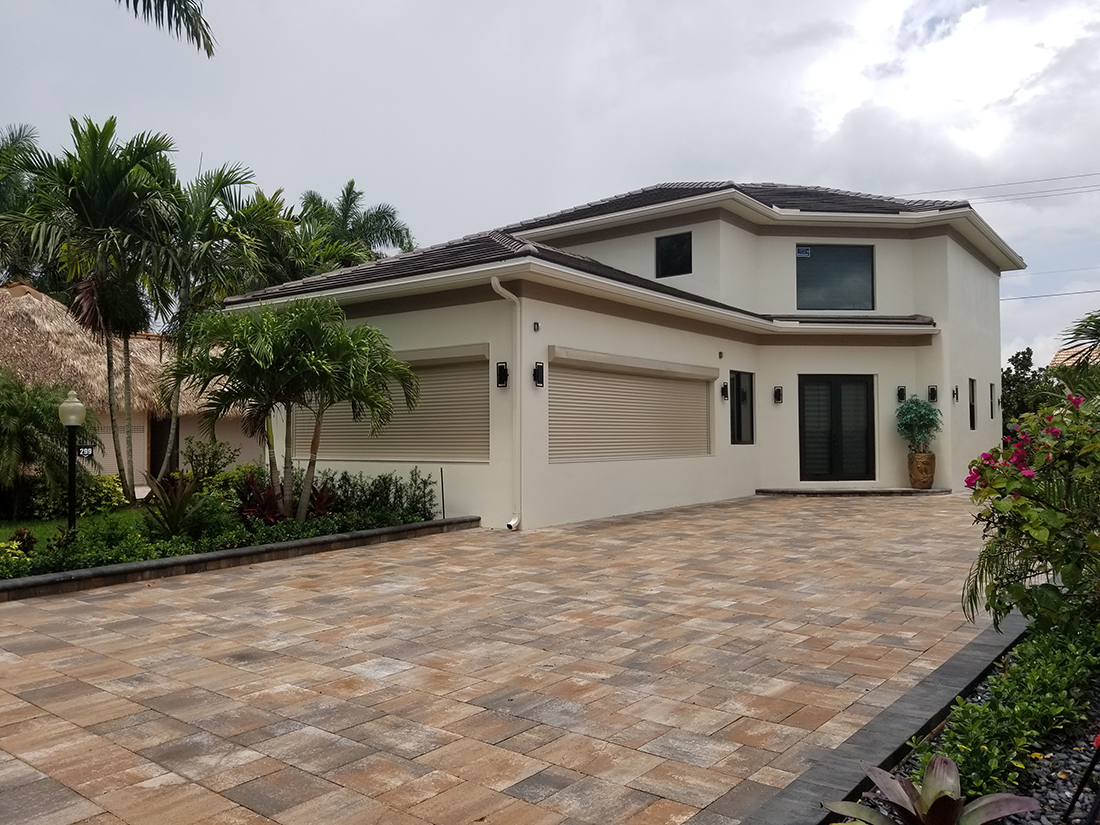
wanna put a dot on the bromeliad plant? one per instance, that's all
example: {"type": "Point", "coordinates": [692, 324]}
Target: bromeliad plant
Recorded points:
{"type": "Point", "coordinates": [939, 801]}
{"type": "Point", "coordinates": [1041, 526]}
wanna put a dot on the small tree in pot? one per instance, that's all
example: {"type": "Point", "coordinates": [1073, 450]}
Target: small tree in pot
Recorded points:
{"type": "Point", "coordinates": [918, 423]}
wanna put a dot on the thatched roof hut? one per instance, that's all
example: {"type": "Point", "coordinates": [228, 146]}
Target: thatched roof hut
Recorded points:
{"type": "Point", "coordinates": [41, 342]}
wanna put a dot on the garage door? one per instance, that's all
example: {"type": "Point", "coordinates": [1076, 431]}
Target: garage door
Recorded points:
{"type": "Point", "coordinates": [598, 415]}
{"type": "Point", "coordinates": [451, 423]}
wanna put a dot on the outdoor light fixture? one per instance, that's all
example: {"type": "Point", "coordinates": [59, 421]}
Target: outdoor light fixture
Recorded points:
{"type": "Point", "coordinates": [71, 412]}
{"type": "Point", "coordinates": [502, 373]}
{"type": "Point", "coordinates": [955, 393]}
{"type": "Point", "coordinates": [933, 393]}
{"type": "Point", "coordinates": [777, 395]}
{"type": "Point", "coordinates": [725, 391]}
{"type": "Point", "coordinates": [536, 326]}
{"type": "Point", "coordinates": [901, 394]}
{"type": "Point", "coordinates": [539, 374]}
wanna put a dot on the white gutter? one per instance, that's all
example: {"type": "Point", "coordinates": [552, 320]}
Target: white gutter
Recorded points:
{"type": "Point", "coordinates": [517, 402]}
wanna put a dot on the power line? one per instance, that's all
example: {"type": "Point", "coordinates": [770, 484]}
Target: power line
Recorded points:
{"type": "Point", "coordinates": [997, 185]}
{"type": "Point", "coordinates": [1039, 193]}
{"type": "Point", "coordinates": [1050, 295]}
{"type": "Point", "coordinates": [1049, 272]}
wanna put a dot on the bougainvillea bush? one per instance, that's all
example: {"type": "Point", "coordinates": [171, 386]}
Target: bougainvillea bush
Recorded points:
{"type": "Point", "coordinates": [1039, 493]}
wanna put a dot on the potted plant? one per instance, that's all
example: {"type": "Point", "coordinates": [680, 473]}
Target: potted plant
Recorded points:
{"type": "Point", "coordinates": [918, 423]}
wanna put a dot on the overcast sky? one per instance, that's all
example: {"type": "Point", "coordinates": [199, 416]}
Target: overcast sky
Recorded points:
{"type": "Point", "coordinates": [471, 114]}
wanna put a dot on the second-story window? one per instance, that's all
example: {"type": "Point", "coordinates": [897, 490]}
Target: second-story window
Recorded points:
{"type": "Point", "coordinates": [674, 255]}
{"type": "Point", "coordinates": [835, 277]}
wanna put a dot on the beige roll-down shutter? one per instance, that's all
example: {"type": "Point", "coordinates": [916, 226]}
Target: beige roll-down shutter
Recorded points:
{"type": "Point", "coordinates": [106, 456]}
{"type": "Point", "coordinates": [451, 422]}
{"type": "Point", "coordinates": [597, 415]}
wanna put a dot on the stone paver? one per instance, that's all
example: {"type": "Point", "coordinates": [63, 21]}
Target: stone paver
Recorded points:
{"type": "Point", "coordinates": [659, 668]}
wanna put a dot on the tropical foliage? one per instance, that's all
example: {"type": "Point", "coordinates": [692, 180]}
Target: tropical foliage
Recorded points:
{"type": "Point", "coordinates": [1024, 387]}
{"type": "Point", "coordinates": [183, 18]}
{"type": "Point", "coordinates": [33, 442]}
{"type": "Point", "coordinates": [299, 355]}
{"type": "Point", "coordinates": [363, 231]}
{"type": "Point", "coordinates": [939, 801]}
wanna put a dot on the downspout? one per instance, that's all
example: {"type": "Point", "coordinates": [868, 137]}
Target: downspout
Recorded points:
{"type": "Point", "coordinates": [517, 409]}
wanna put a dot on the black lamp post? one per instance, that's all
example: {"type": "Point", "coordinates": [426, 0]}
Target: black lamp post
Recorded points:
{"type": "Point", "coordinates": [72, 416]}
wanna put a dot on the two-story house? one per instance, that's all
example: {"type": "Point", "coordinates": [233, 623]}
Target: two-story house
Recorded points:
{"type": "Point", "coordinates": [684, 343]}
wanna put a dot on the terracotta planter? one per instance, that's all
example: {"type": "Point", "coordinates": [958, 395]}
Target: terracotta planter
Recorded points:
{"type": "Point", "coordinates": [922, 470]}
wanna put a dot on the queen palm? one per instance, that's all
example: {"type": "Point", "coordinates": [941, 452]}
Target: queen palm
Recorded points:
{"type": "Point", "coordinates": [369, 230]}
{"type": "Point", "coordinates": [101, 209]}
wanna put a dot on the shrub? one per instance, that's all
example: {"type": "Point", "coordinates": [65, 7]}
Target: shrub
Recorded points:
{"type": "Point", "coordinates": [1041, 526]}
{"type": "Point", "coordinates": [207, 459]}
{"type": "Point", "coordinates": [918, 423]}
{"type": "Point", "coordinates": [1042, 687]}
{"type": "Point", "coordinates": [94, 494]}
{"type": "Point", "coordinates": [13, 561]}
{"type": "Point", "coordinates": [171, 504]}
{"type": "Point", "coordinates": [227, 484]}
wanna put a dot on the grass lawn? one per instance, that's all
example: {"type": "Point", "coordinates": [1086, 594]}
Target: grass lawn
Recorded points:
{"type": "Point", "coordinates": [48, 529]}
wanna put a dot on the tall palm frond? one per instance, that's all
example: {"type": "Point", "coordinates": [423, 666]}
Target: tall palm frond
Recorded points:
{"type": "Point", "coordinates": [183, 18]}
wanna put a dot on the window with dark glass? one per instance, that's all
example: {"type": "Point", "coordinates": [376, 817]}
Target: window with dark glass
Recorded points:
{"type": "Point", "coordinates": [973, 404]}
{"type": "Point", "coordinates": [835, 277]}
{"type": "Point", "coordinates": [674, 255]}
{"type": "Point", "coordinates": [741, 405]}
{"type": "Point", "coordinates": [992, 400]}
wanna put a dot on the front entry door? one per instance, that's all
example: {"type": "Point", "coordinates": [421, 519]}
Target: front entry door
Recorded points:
{"type": "Point", "coordinates": [836, 435]}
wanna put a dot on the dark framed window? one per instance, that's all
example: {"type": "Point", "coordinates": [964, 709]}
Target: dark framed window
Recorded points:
{"type": "Point", "coordinates": [835, 277]}
{"type": "Point", "coordinates": [741, 407]}
{"type": "Point", "coordinates": [992, 401]}
{"type": "Point", "coordinates": [973, 403]}
{"type": "Point", "coordinates": [674, 255]}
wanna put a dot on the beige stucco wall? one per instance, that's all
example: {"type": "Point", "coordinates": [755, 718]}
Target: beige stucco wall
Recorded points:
{"type": "Point", "coordinates": [227, 430]}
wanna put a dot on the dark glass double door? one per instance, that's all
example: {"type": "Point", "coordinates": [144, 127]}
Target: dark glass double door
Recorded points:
{"type": "Point", "coordinates": [836, 436]}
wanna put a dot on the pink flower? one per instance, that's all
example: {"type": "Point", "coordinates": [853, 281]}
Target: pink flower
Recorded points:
{"type": "Point", "coordinates": [1076, 401]}
{"type": "Point", "coordinates": [1027, 472]}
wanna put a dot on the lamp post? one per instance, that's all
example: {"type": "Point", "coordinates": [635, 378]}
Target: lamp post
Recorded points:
{"type": "Point", "coordinates": [72, 416]}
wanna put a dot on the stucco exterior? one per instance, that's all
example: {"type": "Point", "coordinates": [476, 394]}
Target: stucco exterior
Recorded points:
{"type": "Point", "coordinates": [934, 323]}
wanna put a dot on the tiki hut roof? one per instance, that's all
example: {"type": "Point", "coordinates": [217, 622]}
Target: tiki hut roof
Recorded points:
{"type": "Point", "coordinates": [41, 342]}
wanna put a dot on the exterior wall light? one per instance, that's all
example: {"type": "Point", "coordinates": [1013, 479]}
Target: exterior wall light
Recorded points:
{"type": "Point", "coordinates": [933, 393]}
{"type": "Point", "coordinates": [502, 373]}
{"type": "Point", "coordinates": [901, 394]}
{"type": "Point", "coordinates": [539, 374]}
{"type": "Point", "coordinates": [725, 391]}
{"type": "Point", "coordinates": [777, 395]}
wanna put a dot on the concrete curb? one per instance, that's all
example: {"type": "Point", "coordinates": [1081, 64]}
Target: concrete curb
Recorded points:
{"type": "Point", "coordinates": [68, 581]}
{"type": "Point", "coordinates": [882, 741]}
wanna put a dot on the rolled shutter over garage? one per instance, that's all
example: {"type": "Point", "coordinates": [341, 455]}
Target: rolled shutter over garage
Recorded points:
{"type": "Point", "coordinates": [451, 423]}
{"type": "Point", "coordinates": [598, 414]}
{"type": "Point", "coordinates": [106, 455]}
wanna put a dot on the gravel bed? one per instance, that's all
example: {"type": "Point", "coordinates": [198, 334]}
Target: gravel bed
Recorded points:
{"type": "Point", "coordinates": [1053, 779]}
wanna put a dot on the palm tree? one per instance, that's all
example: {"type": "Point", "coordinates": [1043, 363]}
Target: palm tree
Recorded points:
{"type": "Point", "coordinates": [100, 210]}
{"type": "Point", "coordinates": [353, 366]}
{"type": "Point", "coordinates": [17, 258]}
{"type": "Point", "coordinates": [206, 256]}
{"type": "Point", "coordinates": [298, 355]}
{"type": "Point", "coordinates": [183, 18]}
{"type": "Point", "coordinates": [367, 230]}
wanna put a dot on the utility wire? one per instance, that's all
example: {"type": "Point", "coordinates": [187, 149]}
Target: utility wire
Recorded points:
{"type": "Point", "coordinates": [997, 185]}
{"type": "Point", "coordinates": [1049, 272]}
{"type": "Point", "coordinates": [1041, 193]}
{"type": "Point", "coordinates": [1050, 295]}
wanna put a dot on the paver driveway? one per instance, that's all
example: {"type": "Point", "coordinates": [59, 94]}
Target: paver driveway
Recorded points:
{"type": "Point", "coordinates": [636, 670]}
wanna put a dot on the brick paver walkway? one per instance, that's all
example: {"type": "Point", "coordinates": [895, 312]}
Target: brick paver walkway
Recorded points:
{"type": "Point", "coordinates": [653, 669]}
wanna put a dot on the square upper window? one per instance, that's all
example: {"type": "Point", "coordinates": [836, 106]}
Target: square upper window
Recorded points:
{"type": "Point", "coordinates": [674, 255]}
{"type": "Point", "coordinates": [835, 277]}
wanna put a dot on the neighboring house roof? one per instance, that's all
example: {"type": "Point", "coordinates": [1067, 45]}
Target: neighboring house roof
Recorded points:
{"type": "Point", "coordinates": [43, 344]}
{"type": "Point", "coordinates": [1068, 355]}
{"type": "Point", "coordinates": [778, 195]}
